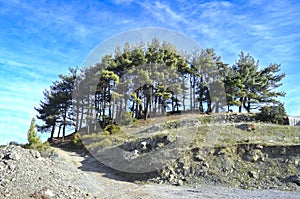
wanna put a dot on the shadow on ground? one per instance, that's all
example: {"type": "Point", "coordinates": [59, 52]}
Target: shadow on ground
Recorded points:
{"type": "Point", "coordinates": [91, 164]}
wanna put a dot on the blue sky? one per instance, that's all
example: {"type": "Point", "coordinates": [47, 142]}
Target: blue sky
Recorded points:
{"type": "Point", "coordinates": [41, 39]}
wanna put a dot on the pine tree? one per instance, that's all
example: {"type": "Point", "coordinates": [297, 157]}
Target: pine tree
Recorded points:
{"type": "Point", "coordinates": [254, 86]}
{"type": "Point", "coordinates": [32, 136]}
{"type": "Point", "coordinates": [48, 113]}
{"type": "Point", "coordinates": [56, 109]}
{"type": "Point", "coordinates": [246, 78]}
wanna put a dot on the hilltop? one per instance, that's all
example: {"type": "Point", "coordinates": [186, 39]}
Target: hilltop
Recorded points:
{"type": "Point", "coordinates": [223, 149]}
{"type": "Point", "coordinates": [250, 155]}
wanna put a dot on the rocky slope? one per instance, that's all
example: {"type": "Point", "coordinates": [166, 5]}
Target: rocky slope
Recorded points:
{"type": "Point", "coordinates": [243, 166]}
{"type": "Point", "coordinates": [25, 174]}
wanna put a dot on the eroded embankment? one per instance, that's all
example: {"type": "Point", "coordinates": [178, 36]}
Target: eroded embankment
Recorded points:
{"type": "Point", "coordinates": [249, 166]}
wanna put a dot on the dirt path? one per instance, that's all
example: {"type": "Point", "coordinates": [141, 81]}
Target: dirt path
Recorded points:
{"type": "Point", "coordinates": [102, 182]}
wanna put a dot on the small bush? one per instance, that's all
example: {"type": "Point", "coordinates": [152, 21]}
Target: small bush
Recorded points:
{"type": "Point", "coordinates": [112, 129]}
{"type": "Point", "coordinates": [34, 142]}
{"type": "Point", "coordinates": [32, 136]}
{"type": "Point", "coordinates": [76, 141]}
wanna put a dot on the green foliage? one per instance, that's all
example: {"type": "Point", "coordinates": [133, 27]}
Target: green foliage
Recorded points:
{"type": "Point", "coordinates": [56, 108]}
{"type": "Point", "coordinates": [34, 142]}
{"type": "Point", "coordinates": [147, 80]}
{"type": "Point", "coordinates": [76, 141]}
{"type": "Point", "coordinates": [274, 114]}
{"type": "Point", "coordinates": [112, 129]}
{"type": "Point", "coordinates": [32, 136]}
{"type": "Point", "coordinates": [252, 86]}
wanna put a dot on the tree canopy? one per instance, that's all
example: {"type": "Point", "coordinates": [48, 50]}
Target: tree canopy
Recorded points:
{"type": "Point", "coordinates": [148, 80]}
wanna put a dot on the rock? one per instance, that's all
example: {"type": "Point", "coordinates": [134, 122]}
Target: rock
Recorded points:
{"type": "Point", "coordinates": [49, 193]}
{"type": "Point", "coordinates": [144, 145]}
{"type": "Point", "coordinates": [251, 127]}
{"type": "Point", "coordinates": [254, 156]}
{"type": "Point", "coordinates": [160, 145]}
{"type": "Point", "coordinates": [14, 156]}
{"type": "Point", "coordinates": [198, 158]}
{"type": "Point", "coordinates": [283, 151]}
{"type": "Point", "coordinates": [35, 153]}
{"type": "Point", "coordinates": [1, 154]}
{"type": "Point", "coordinates": [11, 167]}
{"type": "Point", "coordinates": [253, 174]}
{"type": "Point", "coordinates": [171, 178]}
{"type": "Point", "coordinates": [25, 175]}
{"type": "Point", "coordinates": [179, 183]}
{"type": "Point", "coordinates": [221, 152]}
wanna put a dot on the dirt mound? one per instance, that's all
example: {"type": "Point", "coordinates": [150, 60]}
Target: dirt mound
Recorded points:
{"type": "Point", "coordinates": [25, 174]}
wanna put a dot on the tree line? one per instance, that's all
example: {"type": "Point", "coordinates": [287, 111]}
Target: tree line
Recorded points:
{"type": "Point", "coordinates": [147, 80]}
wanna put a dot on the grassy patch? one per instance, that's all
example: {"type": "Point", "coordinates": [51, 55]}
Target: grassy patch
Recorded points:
{"type": "Point", "coordinates": [104, 139]}
{"type": "Point", "coordinates": [265, 134]}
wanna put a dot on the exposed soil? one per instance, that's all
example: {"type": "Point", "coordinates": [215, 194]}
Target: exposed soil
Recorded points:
{"type": "Point", "coordinates": [74, 174]}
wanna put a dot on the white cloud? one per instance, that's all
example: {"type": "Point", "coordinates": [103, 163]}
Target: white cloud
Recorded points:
{"type": "Point", "coordinates": [47, 37]}
{"type": "Point", "coordinates": [172, 15]}
{"type": "Point", "coordinates": [164, 13]}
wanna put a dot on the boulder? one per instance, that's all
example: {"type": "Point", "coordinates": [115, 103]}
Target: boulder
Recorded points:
{"type": "Point", "coordinates": [253, 174]}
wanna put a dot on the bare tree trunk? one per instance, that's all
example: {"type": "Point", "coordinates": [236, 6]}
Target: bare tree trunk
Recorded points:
{"type": "Point", "coordinates": [52, 132]}
{"type": "Point", "coordinates": [241, 105]}
{"type": "Point", "coordinates": [58, 134]}
{"type": "Point", "coordinates": [81, 116]}
{"type": "Point", "coordinates": [191, 94]}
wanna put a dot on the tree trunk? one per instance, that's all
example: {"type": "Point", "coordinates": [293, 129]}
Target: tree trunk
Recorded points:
{"type": "Point", "coordinates": [81, 116]}
{"type": "Point", "coordinates": [77, 117]}
{"type": "Point", "coordinates": [64, 125]}
{"type": "Point", "coordinates": [241, 105]}
{"type": "Point", "coordinates": [247, 107]}
{"type": "Point", "coordinates": [58, 134]}
{"type": "Point", "coordinates": [201, 94]}
{"type": "Point", "coordinates": [150, 102]}
{"type": "Point", "coordinates": [147, 108]}
{"type": "Point", "coordinates": [155, 105]}
{"type": "Point", "coordinates": [52, 132]}
{"type": "Point", "coordinates": [191, 94]}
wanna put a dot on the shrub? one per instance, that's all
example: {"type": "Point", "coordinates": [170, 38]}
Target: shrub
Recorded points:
{"type": "Point", "coordinates": [76, 141]}
{"type": "Point", "coordinates": [32, 136]}
{"type": "Point", "coordinates": [34, 142]}
{"type": "Point", "coordinates": [112, 129]}
{"type": "Point", "coordinates": [273, 114]}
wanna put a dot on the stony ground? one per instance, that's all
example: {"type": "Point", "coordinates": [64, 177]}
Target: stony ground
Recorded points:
{"type": "Point", "coordinates": [68, 174]}
{"type": "Point", "coordinates": [246, 166]}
